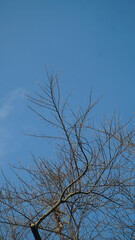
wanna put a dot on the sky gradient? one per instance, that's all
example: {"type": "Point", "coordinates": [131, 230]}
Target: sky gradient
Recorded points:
{"type": "Point", "coordinates": [92, 42]}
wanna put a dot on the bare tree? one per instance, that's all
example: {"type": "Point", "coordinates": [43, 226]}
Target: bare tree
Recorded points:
{"type": "Point", "coordinates": [87, 192]}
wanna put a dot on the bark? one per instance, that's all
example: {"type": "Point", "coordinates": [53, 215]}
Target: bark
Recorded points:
{"type": "Point", "coordinates": [35, 232]}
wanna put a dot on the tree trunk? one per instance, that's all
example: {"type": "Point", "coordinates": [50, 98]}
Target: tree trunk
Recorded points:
{"type": "Point", "coordinates": [35, 233]}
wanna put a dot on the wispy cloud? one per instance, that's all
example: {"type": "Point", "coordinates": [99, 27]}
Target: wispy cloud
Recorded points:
{"type": "Point", "coordinates": [8, 140]}
{"type": "Point", "coordinates": [7, 104]}
{"type": "Point", "coordinates": [4, 142]}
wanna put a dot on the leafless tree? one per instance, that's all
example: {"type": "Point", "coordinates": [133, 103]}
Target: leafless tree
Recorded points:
{"type": "Point", "coordinates": [87, 192]}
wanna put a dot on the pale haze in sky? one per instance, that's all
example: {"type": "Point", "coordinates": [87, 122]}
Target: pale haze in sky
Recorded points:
{"type": "Point", "coordinates": [91, 42]}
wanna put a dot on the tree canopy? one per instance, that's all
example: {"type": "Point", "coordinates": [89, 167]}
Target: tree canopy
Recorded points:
{"type": "Point", "coordinates": [87, 191]}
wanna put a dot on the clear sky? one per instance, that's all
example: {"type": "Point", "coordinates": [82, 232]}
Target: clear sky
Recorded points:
{"type": "Point", "coordinates": [91, 41]}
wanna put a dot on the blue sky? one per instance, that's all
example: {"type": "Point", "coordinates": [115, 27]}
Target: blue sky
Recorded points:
{"type": "Point", "coordinates": [92, 42]}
